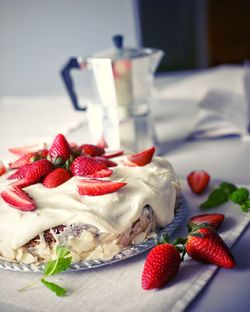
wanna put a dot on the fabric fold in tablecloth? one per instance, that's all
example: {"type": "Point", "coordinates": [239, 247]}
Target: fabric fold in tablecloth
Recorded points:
{"type": "Point", "coordinates": [118, 287]}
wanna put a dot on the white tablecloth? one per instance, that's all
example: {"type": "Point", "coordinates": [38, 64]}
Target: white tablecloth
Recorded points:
{"type": "Point", "coordinates": [117, 287]}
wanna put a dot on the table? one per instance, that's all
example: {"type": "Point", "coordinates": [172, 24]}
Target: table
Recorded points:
{"type": "Point", "coordinates": [225, 159]}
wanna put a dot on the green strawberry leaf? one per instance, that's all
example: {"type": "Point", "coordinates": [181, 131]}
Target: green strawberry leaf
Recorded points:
{"type": "Point", "coordinates": [240, 196]}
{"type": "Point", "coordinates": [217, 197]}
{"type": "Point", "coordinates": [59, 291]}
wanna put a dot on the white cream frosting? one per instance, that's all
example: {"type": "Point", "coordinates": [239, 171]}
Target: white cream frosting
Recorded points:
{"type": "Point", "coordinates": [154, 184]}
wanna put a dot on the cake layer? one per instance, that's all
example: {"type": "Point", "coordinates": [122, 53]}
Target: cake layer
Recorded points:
{"type": "Point", "coordinates": [154, 184]}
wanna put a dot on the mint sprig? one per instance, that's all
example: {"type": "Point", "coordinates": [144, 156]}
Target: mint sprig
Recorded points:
{"type": "Point", "coordinates": [225, 192]}
{"type": "Point", "coordinates": [58, 290]}
{"type": "Point", "coordinates": [53, 267]}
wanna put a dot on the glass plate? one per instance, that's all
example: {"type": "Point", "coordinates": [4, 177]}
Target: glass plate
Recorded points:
{"type": "Point", "coordinates": [130, 251]}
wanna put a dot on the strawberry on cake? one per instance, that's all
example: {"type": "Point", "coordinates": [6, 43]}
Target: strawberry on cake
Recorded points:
{"type": "Point", "coordinates": [76, 196]}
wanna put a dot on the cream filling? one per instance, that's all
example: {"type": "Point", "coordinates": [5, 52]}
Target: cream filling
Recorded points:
{"type": "Point", "coordinates": [154, 184]}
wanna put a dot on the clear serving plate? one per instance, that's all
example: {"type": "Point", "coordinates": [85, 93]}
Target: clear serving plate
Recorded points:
{"type": "Point", "coordinates": [130, 251]}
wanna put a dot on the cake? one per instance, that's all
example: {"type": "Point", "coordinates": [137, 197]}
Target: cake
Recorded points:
{"type": "Point", "coordinates": [80, 197]}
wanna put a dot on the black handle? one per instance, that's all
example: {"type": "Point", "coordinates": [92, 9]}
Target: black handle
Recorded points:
{"type": "Point", "coordinates": [73, 63]}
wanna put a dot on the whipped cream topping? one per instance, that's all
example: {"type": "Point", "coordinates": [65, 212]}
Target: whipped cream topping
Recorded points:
{"type": "Point", "coordinates": [154, 184]}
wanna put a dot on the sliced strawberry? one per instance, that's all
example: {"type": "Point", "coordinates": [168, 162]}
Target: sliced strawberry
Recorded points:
{"type": "Point", "coordinates": [105, 161]}
{"type": "Point", "coordinates": [20, 173]}
{"type": "Point", "coordinates": [2, 168]}
{"type": "Point", "coordinates": [113, 154]}
{"type": "Point", "coordinates": [23, 160]}
{"type": "Point", "coordinates": [60, 148]}
{"type": "Point", "coordinates": [104, 173]}
{"type": "Point", "coordinates": [20, 151]}
{"type": "Point", "coordinates": [91, 150]}
{"type": "Point", "coordinates": [37, 171]}
{"type": "Point", "coordinates": [56, 178]}
{"type": "Point", "coordinates": [29, 158]}
{"type": "Point", "coordinates": [17, 198]}
{"type": "Point", "coordinates": [213, 220]}
{"type": "Point", "coordinates": [86, 165]}
{"type": "Point", "coordinates": [140, 159]}
{"type": "Point", "coordinates": [94, 187]}
{"type": "Point", "coordinates": [198, 181]}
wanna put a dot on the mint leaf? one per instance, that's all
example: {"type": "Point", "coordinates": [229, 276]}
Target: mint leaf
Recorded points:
{"type": "Point", "coordinates": [245, 206]}
{"type": "Point", "coordinates": [217, 197]}
{"type": "Point", "coordinates": [59, 291]}
{"type": "Point", "coordinates": [240, 196]}
{"type": "Point", "coordinates": [229, 188]}
{"type": "Point", "coordinates": [60, 264]}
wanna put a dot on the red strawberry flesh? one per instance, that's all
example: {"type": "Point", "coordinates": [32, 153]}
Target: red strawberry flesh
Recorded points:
{"type": "Point", "coordinates": [113, 154]}
{"type": "Point", "coordinates": [212, 220]}
{"type": "Point", "coordinates": [104, 173]}
{"type": "Point", "coordinates": [20, 151]}
{"type": "Point", "coordinates": [140, 159]}
{"type": "Point", "coordinates": [105, 161]}
{"type": "Point", "coordinates": [17, 198]}
{"type": "Point", "coordinates": [198, 181]}
{"type": "Point", "coordinates": [91, 150]}
{"type": "Point", "coordinates": [2, 168]}
{"type": "Point", "coordinates": [94, 187]}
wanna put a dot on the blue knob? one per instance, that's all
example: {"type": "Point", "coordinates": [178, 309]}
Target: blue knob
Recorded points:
{"type": "Point", "coordinates": [118, 41]}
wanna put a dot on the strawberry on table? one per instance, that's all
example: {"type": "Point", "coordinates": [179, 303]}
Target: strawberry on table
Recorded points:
{"type": "Point", "coordinates": [205, 245]}
{"type": "Point", "coordinates": [198, 181]}
{"type": "Point", "coordinates": [17, 198]}
{"type": "Point", "coordinates": [94, 187]}
{"type": "Point", "coordinates": [162, 264]}
{"type": "Point", "coordinates": [86, 165]}
{"type": "Point", "coordinates": [213, 220]}
{"type": "Point", "coordinates": [59, 148]}
{"type": "Point", "coordinates": [56, 178]}
{"type": "Point", "coordinates": [140, 159]}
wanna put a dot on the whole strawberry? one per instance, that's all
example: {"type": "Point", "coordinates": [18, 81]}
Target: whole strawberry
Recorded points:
{"type": "Point", "coordinates": [60, 148]}
{"type": "Point", "coordinates": [56, 178]}
{"type": "Point", "coordinates": [161, 265]}
{"type": "Point", "coordinates": [36, 172]}
{"type": "Point", "coordinates": [205, 245]}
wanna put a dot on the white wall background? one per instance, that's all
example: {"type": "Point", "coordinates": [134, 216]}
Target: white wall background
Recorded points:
{"type": "Point", "coordinates": [37, 37]}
